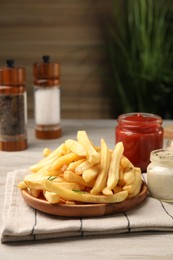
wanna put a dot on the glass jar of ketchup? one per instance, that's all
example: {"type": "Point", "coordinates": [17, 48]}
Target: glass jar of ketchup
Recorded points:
{"type": "Point", "coordinates": [140, 133]}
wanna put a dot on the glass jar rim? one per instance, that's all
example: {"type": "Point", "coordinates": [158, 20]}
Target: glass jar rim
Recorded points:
{"type": "Point", "coordinates": [124, 118]}
{"type": "Point", "coordinates": [163, 155]}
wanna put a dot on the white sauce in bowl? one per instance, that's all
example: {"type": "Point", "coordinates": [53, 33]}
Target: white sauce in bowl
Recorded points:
{"type": "Point", "coordinates": [160, 175]}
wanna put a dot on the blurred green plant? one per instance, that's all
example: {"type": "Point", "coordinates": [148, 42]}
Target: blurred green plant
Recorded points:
{"type": "Point", "coordinates": [139, 44]}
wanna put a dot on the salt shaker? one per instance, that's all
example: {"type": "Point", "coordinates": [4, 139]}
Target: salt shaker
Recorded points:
{"type": "Point", "coordinates": [13, 108]}
{"type": "Point", "coordinates": [47, 99]}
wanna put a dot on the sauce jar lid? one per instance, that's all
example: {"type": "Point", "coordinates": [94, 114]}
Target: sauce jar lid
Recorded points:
{"type": "Point", "coordinates": [11, 75]}
{"type": "Point", "coordinates": [162, 156]}
{"type": "Point", "coordinates": [46, 73]}
{"type": "Point", "coordinates": [144, 122]}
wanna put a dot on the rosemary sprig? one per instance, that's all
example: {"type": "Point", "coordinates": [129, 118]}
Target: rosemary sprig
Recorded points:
{"type": "Point", "coordinates": [80, 191]}
{"type": "Point", "coordinates": [51, 178]}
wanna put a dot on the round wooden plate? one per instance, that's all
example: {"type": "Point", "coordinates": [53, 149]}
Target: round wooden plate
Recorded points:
{"type": "Point", "coordinates": [85, 210]}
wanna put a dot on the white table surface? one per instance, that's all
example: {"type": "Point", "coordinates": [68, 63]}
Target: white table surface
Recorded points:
{"type": "Point", "coordinates": [146, 245]}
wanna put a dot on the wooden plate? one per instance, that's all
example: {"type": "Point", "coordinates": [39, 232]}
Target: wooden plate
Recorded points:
{"type": "Point", "coordinates": [84, 210]}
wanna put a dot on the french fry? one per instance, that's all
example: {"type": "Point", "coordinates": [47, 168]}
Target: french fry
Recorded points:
{"type": "Point", "coordinates": [129, 176]}
{"type": "Point", "coordinates": [113, 175]}
{"type": "Point", "coordinates": [137, 169]}
{"type": "Point", "coordinates": [46, 152]}
{"type": "Point", "coordinates": [51, 197]}
{"type": "Point", "coordinates": [73, 177]}
{"type": "Point", "coordinates": [83, 167]}
{"type": "Point", "coordinates": [91, 173]}
{"type": "Point", "coordinates": [92, 154]}
{"type": "Point", "coordinates": [126, 163]}
{"type": "Point", "coordinates": [84, 197]}
{"type": "Point", "coordinates": [34, 192]}
{"type": "Point", "coordinates": [69, 202]}
{"type": "Point", "coordinates": [76, 147]}
{"type": "Point", "coordinates": [107, 191]}
{"type": "Point", "coordinates": [135, 187]}
{"type": "Point", "coordinates": [46, 171]}
{"type": "Point", "coordinates": [22, 185]}
{"type": "Point", "coordinates": [121, 181]}
{"type": "Point", "coordinates": [34, 183]}
{"type": "Point", "coordinates": [64, 160]}
{"type": "Point", "coordinates": [73, 165]}
{"type": "Point", "coordinates": [100, 183]}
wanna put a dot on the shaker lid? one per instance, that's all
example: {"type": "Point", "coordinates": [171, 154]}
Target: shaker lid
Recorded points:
{"type": "Point", "coordinates": [46, 73]}
{"type": "Point", "coordinates": [11, 75]}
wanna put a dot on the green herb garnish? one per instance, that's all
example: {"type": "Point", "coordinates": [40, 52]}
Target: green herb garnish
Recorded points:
{"type": "Point", "coordinates": [51, 178]}
{"type": "Point", "coordinates": [80, 191]}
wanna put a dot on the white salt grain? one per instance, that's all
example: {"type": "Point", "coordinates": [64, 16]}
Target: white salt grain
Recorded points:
{"type": "Point", "coordinates": [47, 106]}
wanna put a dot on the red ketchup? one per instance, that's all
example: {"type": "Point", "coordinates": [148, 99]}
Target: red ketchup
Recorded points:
{"type": "Point", "coordinates": [140, 133]}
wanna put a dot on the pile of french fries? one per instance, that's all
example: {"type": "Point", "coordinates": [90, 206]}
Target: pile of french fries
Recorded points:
{"type": "Point", "coordinates": [79, 172]}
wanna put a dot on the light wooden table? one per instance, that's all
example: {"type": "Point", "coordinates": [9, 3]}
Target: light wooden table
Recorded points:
{"type": "Point", "coordinates": [146, 245]}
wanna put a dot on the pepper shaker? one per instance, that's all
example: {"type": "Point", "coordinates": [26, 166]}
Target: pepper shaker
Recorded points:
{"type": "Point", "coordinates": [47, 99]}
{"type": "Point", "coordinates": [13, 108]}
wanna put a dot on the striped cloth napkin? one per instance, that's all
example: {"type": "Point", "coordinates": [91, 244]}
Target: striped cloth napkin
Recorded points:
{"type": "Point", "coordinates": [23, 223]}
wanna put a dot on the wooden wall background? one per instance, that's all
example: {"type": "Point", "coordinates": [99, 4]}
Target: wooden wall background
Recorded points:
{"type": "Point", "coordinates": [69, 31]}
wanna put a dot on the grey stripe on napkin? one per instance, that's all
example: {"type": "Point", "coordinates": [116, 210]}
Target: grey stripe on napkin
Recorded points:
{"type": "Point", "coordinates": [23, 223]}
